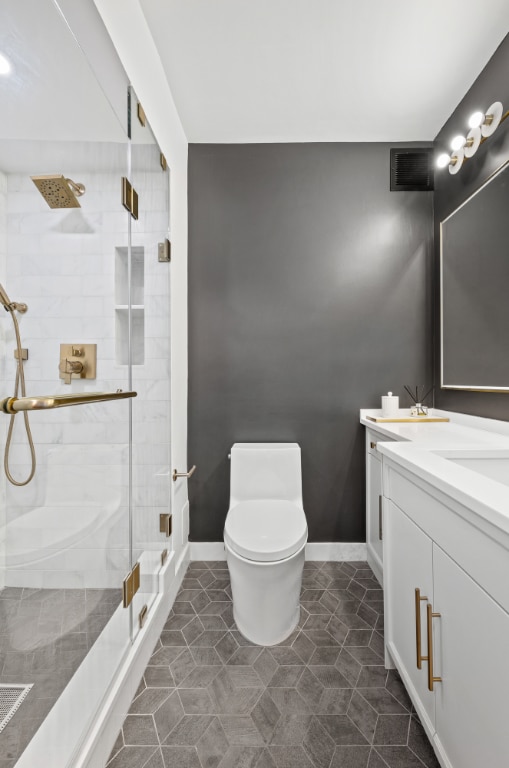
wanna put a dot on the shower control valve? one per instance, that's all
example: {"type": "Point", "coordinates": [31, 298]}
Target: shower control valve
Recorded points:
{"type": "Point", "coordinates": [78, 360]}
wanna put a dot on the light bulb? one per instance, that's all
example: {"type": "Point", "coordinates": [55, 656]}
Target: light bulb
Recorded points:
{"type": "Point", "coordinates": [476, 119]}
{"type": "Point", "coordinates": [458, 142]}
{"type": "Point", "coordinates": [5, 65]}
{"type": "Point", "coordinates": [443, 160]}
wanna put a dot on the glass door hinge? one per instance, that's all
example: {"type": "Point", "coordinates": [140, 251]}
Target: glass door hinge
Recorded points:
{"type": "Point", "coordinates": [142, 616]}
{"type": "Point", "coordinates": [141, 115]}
{"type": "Point", "coordinates": [129, 197]}
{"type": "Point", "coordinates": [164, 250]}
{"type": "Point", "coordinates": [131, 585]}
{"type": "Point", "coordinates": [165, 524]}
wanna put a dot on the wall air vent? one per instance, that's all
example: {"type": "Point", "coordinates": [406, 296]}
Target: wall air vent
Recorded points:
{"type": "Point", "coordinates": [411, 169]}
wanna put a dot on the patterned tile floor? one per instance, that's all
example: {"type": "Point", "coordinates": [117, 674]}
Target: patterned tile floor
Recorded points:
{"type": "Point", "coordinates": [321, 699]}
{"type": "Point", "coordinates": [44, 636]}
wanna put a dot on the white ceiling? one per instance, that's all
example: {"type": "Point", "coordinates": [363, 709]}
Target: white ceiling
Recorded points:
{"type": "Point", "coordinates": [322, 70]}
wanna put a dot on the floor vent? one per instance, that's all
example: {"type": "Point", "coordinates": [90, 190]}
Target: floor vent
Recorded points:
{"type": "Point", "coordinates": [11, 698]}
{"type": "Point", "coordinates": [412, 169]}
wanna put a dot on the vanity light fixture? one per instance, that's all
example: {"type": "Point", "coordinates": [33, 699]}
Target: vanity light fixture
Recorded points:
{"type": "Point", "coordinates": [482, 125]}
{"type": "Point", "coordinates": [458, 142]}
{"type": "Point", "coordinates": [454, 161]}
{"type": "Point", "coordinates": [443, 160]}
{"type": "Point", "coordinates": [5, 65]}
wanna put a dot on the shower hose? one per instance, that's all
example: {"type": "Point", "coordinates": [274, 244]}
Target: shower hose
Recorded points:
{"type": "Point", "coordinates": [20, 382]}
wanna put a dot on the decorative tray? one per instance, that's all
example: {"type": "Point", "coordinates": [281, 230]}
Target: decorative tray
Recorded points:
{"type": "Point", "coordinates": [407, 419]}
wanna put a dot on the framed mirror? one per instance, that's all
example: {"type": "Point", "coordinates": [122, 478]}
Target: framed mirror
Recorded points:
{"type": "Point", "coordinates": [474, 290]}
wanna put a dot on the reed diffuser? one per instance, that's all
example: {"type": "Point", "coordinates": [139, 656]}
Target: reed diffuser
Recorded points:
{"type": "Point", "coordinates": [418, 408]}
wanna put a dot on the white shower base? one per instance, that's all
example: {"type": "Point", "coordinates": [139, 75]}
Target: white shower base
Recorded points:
{"type": "Point", "coordinates": [82, 727]}
{"type": "Point", "coordinates": [52, 547]}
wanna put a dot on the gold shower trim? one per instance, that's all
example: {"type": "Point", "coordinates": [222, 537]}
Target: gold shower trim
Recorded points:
{"type": "Point", "coordinates": [15, 405]}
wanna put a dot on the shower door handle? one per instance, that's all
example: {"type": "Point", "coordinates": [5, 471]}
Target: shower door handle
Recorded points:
{"type": "Point", "coordinates": [15, 405]}
{"type": "Point", "coordinates": [183, 474]}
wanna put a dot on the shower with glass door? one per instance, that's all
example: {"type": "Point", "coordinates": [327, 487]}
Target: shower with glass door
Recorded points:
{"type": "Point", "coordinates": [86, 295]}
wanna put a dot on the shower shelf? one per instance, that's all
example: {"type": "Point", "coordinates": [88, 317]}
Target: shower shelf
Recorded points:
{"type": "Point", "coordinates": [137, 334]}
{"type": "Point", "coordinates": [136, 293]}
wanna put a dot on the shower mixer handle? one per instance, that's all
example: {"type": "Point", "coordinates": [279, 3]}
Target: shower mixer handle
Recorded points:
{"type": "Point", "coordinates": [70, 367]}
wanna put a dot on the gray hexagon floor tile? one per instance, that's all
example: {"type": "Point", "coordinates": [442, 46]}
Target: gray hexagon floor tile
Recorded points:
{"type": "Point", "coordinates": [322, 698]}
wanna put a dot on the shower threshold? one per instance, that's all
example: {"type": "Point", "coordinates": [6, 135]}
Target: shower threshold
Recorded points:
{"type": "Point", "coordinates": [82, 726]}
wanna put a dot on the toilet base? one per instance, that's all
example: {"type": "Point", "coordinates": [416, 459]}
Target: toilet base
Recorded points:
{"type": "Point", "coordinates": [286, 634]}
{"type": "Point", "coordinates": [266, 596]}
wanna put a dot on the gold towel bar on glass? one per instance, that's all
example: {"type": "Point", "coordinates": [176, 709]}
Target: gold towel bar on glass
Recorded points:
{"type": "Point", "coordinates": [418, 599]}
{"type": "Point", "coordinates": [15, 405]}
{"type": "Point", "coordinates": [430, 616]}
{"type": "Point", "coordinates": [183, 474]}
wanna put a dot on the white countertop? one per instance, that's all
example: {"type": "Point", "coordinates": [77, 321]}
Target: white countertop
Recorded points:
{"type": "Point", "coordinates": [425, 450]}
{"type": "Point", "coordinates": [458, 432]}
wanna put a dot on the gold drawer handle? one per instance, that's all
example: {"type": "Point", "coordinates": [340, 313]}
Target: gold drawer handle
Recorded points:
{"type": "Point", "coordinates": [430, 617]}
{"type": "Point", "coordinates": [418, 599]}
{"type": "Point", "coordinates": [373, 446]}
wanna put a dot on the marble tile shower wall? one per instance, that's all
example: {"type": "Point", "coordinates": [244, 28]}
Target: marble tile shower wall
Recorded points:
{"type": "Point", "coordinates": [69, 527]}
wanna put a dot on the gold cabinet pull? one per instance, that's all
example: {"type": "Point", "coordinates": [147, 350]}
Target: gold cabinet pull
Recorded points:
{"type": "Point", "coordinates": [418, 599]}
{"type": "Point", "coordinates": [430, 617]}
{"type": "Point", "coordinates": [373, 446]}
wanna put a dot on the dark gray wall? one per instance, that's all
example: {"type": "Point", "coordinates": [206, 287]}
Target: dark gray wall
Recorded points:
{"type": "Point", "coordinates": [451, 190]}
{"type": "Point", "coordinates": [309, 297]}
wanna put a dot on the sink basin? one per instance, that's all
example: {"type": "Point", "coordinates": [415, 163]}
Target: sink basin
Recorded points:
{"type": "Point", "coordinates": [493, 464]}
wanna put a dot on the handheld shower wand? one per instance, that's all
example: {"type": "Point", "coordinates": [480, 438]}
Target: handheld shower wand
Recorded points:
{"type": "Point", "coordinates": [12, 307]}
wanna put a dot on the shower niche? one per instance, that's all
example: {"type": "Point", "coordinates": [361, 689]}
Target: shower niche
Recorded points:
{"type": "Point", "coordinates": [135, 299]}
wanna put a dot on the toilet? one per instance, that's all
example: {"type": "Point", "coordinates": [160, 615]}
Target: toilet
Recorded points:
{"type": "Point", "coordinates": [265, 534]}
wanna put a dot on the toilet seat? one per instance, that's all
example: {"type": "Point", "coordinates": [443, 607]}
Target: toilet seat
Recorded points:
{"type": "Point", "coordinates": [265, 530]}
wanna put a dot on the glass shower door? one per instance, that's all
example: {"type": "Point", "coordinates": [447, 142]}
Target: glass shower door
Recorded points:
{"type": "Point", "coordinates": [150, 362]}
{"type": "Point", "coordinates": [65, 536]}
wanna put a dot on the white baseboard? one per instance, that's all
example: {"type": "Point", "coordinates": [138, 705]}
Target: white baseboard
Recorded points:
{"type": "Point", "coordinates": [327, 550]}
{"type": "Point", "coordinates": [207, 550]}
{"type": "Point", "coordinates": [335, 551]}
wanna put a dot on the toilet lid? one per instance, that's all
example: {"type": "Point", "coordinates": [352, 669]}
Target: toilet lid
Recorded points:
{"type": "Point", "coordinates": [265, 530]}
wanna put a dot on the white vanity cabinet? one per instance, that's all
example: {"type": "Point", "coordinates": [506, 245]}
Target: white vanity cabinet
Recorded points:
{"type": "Point", "coordinates": [409, 568]}
{"type": "Point", "coordinates": [431, 547]}
{"type": "Point", "coordinates": [374, 503]}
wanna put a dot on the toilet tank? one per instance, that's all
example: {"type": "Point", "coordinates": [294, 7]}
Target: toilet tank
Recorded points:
{"type": "Point", "coordinates": [265, 471]}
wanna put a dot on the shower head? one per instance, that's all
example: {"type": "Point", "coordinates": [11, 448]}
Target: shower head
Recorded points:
{"type": "Point", "coordinates": [9, 305]}
{"type": "Point", "coordinates": [58, 191]}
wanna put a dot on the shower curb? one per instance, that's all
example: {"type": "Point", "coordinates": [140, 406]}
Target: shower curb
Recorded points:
{"type": "Point", "coordinates": [92, 746]}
